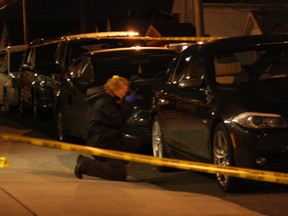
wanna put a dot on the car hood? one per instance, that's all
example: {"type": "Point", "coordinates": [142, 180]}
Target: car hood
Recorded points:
{"type": "Point", "coordinates": [265, 96]}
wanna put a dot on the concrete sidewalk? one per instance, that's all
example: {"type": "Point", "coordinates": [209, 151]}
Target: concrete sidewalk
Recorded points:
{"type": "Point", "coordinates": [40, 181]}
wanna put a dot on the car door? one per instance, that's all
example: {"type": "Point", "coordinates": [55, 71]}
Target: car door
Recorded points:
{"type": "Point", "coordinates": [165, 100]}
{"type": "Point", "coordinates": [67, 92]}
{"type": "Point", "coordinates": [3, 73]}
{"type": "Point", "coordinates": [81, 82]}
{"type": "Point", "coordinates": [27, 75]}
{"type": "Point", "coordinates": [184, 107]}
{"type": "Point", "coordinates": [72, 98]}
{"type": "Point", "coordinates": [192, 109]}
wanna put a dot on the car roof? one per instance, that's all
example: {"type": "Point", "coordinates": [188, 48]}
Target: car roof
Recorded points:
{"type": "Point", "coordinates": [242, 41]}
{"type": "Point", "coordinates": [128, 49]}
{"type": "Point", "coordinates": [98, 35]}
{"type": "Point", "coordinates": [84, 37]}
{"type": "Point", "coordinates": [14, 48]}
{"type": "Point", "coordinates": [43, 41]}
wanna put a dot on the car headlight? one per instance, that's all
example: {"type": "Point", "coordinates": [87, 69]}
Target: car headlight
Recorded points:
{"type": "Point", "coordinates": [259, 120]}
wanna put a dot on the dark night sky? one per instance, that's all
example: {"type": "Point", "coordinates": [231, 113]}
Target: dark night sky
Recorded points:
{"type": "Point", "coordinates": [66, 9]}
{"type": "Point", "coordinates": [64, 15]}
{"type": "Point", "coordinates": [48, 18]}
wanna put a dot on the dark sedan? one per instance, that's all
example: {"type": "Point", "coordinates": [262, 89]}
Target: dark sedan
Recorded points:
{"type": "Point", "coordinates": [225, 102]}
{"type": "Point", "coordinates": [143, 67]}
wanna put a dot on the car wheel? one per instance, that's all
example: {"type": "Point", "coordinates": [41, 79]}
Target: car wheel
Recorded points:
{"type": "Point", "coordinates": [158, 147]}
{"type": "Point", "coordinates": [223, 156]}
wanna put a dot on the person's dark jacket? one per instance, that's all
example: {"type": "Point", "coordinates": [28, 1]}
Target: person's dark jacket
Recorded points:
{"type": "Point", "coordinates": [107, 120]}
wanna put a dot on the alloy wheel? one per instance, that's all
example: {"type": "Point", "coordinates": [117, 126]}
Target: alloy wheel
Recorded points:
{"type": "Point", "coordinates": [157, 145]}
{"type": "Point", "coordinates": [221, 155]}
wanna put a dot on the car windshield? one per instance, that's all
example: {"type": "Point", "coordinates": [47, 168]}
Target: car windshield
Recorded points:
{"type": "Point", "coordinates": [134, 66]}
{"type": "Point", "coordinates": [248, 64]}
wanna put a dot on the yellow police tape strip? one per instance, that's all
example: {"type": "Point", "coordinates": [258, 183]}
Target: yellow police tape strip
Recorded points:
{"type": "Point", "coordinates": [177, 39]}
{"type": "Point", "coordinates": [266, 176]}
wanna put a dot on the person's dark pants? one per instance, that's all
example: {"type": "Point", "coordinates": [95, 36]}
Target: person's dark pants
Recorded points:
{"type": "Point", "coordinates": [109, 168]}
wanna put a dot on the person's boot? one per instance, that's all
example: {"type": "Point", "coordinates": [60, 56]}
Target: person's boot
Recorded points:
{"type": "Point", "coordinates": [78, 170]}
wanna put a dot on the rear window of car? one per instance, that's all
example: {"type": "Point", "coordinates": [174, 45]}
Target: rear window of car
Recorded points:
{"type": "Point", "coordinates": [133, 66]}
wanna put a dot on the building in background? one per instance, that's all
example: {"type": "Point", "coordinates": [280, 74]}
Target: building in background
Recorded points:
{"type": "Point", "coordinates": [267, 21]}
{"type": "Point", "coordinates": [228, 20]}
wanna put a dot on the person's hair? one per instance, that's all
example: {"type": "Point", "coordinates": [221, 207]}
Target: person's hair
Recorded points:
{"type": "Point", "coordinates": [115, 83]}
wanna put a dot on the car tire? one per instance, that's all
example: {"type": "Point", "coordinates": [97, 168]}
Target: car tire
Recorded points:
{"type": "Point", "coordinates": [223, 156]}
{"type": "Point", "coordinates": [158, 147]}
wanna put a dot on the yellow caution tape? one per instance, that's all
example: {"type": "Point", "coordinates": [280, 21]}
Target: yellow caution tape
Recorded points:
{"type": "Point", "coordinates": [178, 39]}
{"type": "Point", "coordinates": [266, 176]}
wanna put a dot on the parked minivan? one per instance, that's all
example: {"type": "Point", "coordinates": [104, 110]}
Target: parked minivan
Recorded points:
{"type": "Point", "coordinates": [10, 60]}
{"type": "Point", "coordinates": [35, 92]}
{"type": "Point", "coordinates": [71, 46]}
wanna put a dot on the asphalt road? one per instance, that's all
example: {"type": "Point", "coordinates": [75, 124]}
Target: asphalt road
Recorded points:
{"type": "Point", "coordinates": [264, 198]}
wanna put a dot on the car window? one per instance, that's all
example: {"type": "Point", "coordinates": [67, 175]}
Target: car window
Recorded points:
{"type": "Point", "coordinates": [15, 60]}
{"type": "Point", "coordinates": [182, 66]}
{"type": "Point", "coordinates": [227, 67]}
{"type": "Point", "coordinates": [171, 70]}
{"type": "Point", "coordinates": [74, 70]}
{"type": "Point", "coordinates": [133, 66]}
{"type": "Point", "coordinates": [74, 52]}
{"type": "Point", "coordinates": [196, 67]}
{"type": "Point", "coordinates": [253, 63]}
{"type": "Point", "coordinates": [86, 70]}
{"type": "Point", "coordinates": [45, 55]}
{"type": "Point", "coordinates": [31, 58]}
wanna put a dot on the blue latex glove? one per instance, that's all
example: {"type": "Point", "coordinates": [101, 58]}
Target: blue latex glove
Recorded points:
{"type": "Point", "coordinates": [131, 97]}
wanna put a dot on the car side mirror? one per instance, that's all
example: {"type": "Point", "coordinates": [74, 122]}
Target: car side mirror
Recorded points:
{"type": "Point", "coordinates": [191, 84]}
{"type": "Point", "coordinates": [26, 66]}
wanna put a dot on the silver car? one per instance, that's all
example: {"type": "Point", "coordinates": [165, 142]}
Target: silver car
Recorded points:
{"type": "Point", "coordinates": [10, 60]}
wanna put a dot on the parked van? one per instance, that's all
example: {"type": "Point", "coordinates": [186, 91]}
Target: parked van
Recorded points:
{"type": "Point", "coordinates": [71, 46]}
{"type": "Point", "coordinates": [35, 93]}
{"type": "Point", "coordinates": [10, 60]}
